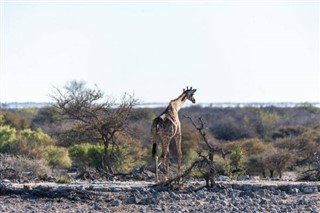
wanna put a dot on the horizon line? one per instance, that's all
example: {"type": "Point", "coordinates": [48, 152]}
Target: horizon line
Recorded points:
{"type": "Point", "coordinates": [34, 104]}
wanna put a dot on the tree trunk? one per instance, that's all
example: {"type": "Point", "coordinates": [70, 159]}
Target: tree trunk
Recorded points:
{"type": "Point", "coordinates": [106, 163]}
{"type": "Point", "coordinates": [271, 173]}
{"type": "Point", "coordinates": [264, 173]}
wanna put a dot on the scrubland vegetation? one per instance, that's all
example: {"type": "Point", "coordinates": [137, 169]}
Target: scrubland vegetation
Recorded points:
{"type": "Point", "coordinates": [256, 141]}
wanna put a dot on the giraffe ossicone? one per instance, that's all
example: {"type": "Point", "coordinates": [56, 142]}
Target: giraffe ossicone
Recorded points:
{"type": "Point", "coordinates": [166, 127]}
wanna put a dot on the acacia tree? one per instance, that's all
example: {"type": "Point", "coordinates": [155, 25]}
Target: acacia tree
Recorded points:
{"type": "Point", "coordinates": [92, 117]}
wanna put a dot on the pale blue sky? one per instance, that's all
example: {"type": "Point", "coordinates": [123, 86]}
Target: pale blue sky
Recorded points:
{"type": "Point", "coordinates": [230, 51]}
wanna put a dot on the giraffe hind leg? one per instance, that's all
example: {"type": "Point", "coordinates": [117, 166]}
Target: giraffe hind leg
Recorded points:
{"type": "Point", "coordinates": [164, 157]}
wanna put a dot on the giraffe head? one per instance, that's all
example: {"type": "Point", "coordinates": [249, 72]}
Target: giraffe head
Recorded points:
{"type": "Point", "coordinates": [189, 92]}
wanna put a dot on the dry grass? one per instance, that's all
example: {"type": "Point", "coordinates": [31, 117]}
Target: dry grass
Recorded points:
{"type": "Point", "coordinates": [17, 167]}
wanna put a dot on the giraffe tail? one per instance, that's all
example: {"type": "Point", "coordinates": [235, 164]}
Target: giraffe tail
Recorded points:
{"type": "Point", "coordinates": [154, 150]}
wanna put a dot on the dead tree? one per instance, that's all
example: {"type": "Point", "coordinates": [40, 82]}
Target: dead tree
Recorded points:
{"type": "Point", "coordinates": [207, 160]}
{"type": "Point", "coordinates": [204, 164]}
{"type": "Point", "coordinates": [89, 117]}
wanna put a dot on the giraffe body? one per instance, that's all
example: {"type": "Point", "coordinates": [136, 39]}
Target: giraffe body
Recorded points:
{"type": "Point", "coordinates": [167, 126]}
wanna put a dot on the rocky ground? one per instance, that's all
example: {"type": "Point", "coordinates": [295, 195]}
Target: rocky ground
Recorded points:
{"type": "Point", "coordinates": [236, 196]}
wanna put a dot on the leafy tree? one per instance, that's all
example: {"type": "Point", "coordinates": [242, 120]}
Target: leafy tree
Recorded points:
{"type": "Point", "coordinates": [288, 131]}
{"type": "Point", "coordinates": [18, 118]}
{"type": "Point", "coordinates": [255, 164]}
{"type": "Point", "coordinates": [47, 114]}
{"type": "Point", "coordinates": [229, 129]}
{"type": "Point", "coordinates": [254, 146]}
{"type": "Point", "coordinates": [142, 113]}
{"type": "Point", "coordinates": [92, 118]}
{"type": "Point", "coordinates": [252, 153]}
{"type": "Point", "coordinates": [269, 121]}
{"type": "Point", "coordinates": [278, 161]}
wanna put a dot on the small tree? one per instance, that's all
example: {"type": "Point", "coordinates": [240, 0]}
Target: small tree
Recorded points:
{"type": "Point", "coordinates": [92, 118]}
{"type": "Point", "coordinates": [236, 162]}
{"type": "Point", "coordinates": [277, 161]}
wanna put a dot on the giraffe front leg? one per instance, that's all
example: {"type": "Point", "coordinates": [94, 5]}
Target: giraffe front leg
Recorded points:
{"type": "Point", "coordinates": [179, 152]}
{"type": "Point", "coordinates": [167, 166]}
{"type": "Point", "coordinates": [157, 168]}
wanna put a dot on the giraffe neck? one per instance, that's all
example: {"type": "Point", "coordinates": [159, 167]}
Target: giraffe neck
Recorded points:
{"type": "Point", "coordinates": [173, 108]}
{"type": "Point", "coordinates": [177, 103]}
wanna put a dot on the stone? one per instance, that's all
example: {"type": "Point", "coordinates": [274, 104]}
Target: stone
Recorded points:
{"type": "Point", "coordinates": [243, 177]}
{"type": "Point", "coordinates": [293, 190]}
{"type": "Point", "coordinates": [284, 195]}
{"type": "Point", "coordinates": [274, 201]}
{"type": "Point", "coordinates": [136, 171]}
{"type": "Point", "coordinates": [248, 194]}
{"type": "Point", "coordinates": [202, 194]}
{"type": "Point", "coordinates": [246, 187]}
{"type": "Point", "coordinates": [97, 207]}
{"type": "Point", "coordinates": [136, 200]}
{"type": "Point", "coordinates": [309, 189]}
{"type": "Point", "coordinates": [255, 178]}
{"type": "Point", "coordinates": [263, 201]}
{"type": "Point", "coordinates": [115, 202]}
{"type": "Point", "coordinates": [174, 196]}
{"type": "Point", "coordinates": [223, 178]}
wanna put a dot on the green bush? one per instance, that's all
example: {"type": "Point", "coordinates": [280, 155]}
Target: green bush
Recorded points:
{"type": "Point", "coordinates": [221, 165]}
{"type": "Point", "coordinates": [87, 155]}
{"type": "Point", "coordinates": [36, 138]}
{"type": "Point", "coordinates": [2, 119]}
{"type": "Point", "coordinates": [7, 138]}
{"type": "Point", "coordinates": [237, 162]}
{"type": "Point", "coordinates": [63, 180]}
{"type": "Point", "coordinates": [33, 144]}
{"type": "Point", "coordinates": [95, 155]}
{"type": "Point", "coordinates": [57, 156]}
{"type": "Point", "coordinates": [125, 158]}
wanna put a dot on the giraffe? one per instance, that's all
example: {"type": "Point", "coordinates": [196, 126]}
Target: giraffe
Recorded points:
{"type": "Point", "coordinates": [166, 127]}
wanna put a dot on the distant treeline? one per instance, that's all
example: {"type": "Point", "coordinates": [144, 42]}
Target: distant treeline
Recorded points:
{"type": "Point", "coordinates": [19, 105]}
